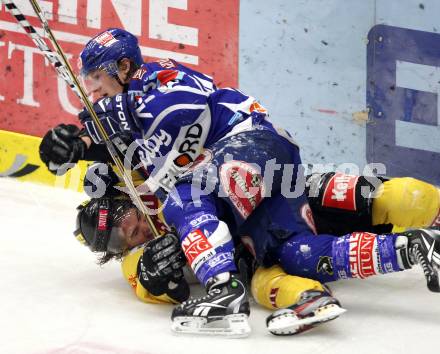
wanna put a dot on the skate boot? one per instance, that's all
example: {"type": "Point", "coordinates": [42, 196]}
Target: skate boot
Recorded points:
{"type": "Point", "coordinates": [223, 311]}
{"type": "Point", "coordinates": [313, 308]}
{"type": "Point", "coordinates": [422, 246]}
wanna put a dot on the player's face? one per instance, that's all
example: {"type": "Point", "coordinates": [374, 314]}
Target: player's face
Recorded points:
{"type": "Point", "coordinates": [100, 84]}
{"type": "Point", "coordinates": [135, 229]}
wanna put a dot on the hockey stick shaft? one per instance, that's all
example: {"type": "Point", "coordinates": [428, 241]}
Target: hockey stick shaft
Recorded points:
{"type": "Point", "coordinates": [61, 64]}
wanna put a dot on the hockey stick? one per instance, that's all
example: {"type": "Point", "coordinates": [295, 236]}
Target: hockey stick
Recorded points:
{"type": "Point", "coordinates": [59, 60]}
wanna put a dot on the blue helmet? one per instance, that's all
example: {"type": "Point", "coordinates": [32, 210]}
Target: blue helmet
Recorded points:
{"type": "Point", "coordinates": [106, 49]}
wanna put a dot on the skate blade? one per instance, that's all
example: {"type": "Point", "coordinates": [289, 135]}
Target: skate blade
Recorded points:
{"type": "Point", "coordinates": [288, 324]}
{"type": "Point", "coordinates": [231, 326]}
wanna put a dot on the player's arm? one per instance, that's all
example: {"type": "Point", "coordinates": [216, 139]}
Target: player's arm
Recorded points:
{"type": "Point", "coordinates": [170, 126]}
{"type": "Point", "coordinates": [67, 144]}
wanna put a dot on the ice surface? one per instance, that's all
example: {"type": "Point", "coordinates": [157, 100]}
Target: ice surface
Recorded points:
{"type": "Point", "coordinates": [55, 299]}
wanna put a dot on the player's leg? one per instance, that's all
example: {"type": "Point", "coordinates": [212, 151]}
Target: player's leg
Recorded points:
{"type": "Point", "coordinates": [208, 247]}
{"type": "Point", "coordinates": [344, 203]}
{"type": "Point", "coordinates": [360, 255]}
{"type": "Point", "coordinates": [214, 202]}
{"type": "Point", "coordinates": [299, 303]}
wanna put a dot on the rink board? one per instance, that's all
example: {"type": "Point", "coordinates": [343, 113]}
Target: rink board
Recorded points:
{"type": "Point", "coordinates": [19, 158]}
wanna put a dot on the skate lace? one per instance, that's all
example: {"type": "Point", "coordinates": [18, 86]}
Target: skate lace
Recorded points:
{"type": "Point", "coordinates": [210, 295]}
{"type": "Point", "coordinates": [417, 254]}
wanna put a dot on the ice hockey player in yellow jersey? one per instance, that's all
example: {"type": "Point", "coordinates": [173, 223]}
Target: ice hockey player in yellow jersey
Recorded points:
{"type": "Point", "coordinates": [400, 203]}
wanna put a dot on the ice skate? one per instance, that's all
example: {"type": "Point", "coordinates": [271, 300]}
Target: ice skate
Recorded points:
{"type": "Point", "coordinates": [314, 308]}
{"type": "Point", "coordinates": [423, 248]}
{"type": "Point", "coordinates": [224, 311]}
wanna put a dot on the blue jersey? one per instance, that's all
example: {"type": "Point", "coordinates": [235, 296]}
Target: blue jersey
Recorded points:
{"type": "Point", "coordinates": [180, 113]}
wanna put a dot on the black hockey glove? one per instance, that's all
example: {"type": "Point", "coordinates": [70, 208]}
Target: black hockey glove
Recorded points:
{"type": "Point", "coordinates": [100, 180]}
{"type": "Point", "coordinates": [61, 145]}
{"type": "Point", "coordinates": [160, 269]}
{"type": "Point", "coordinates": [246, 264]}
{"type": "Point", "coordinates": [116, 115]}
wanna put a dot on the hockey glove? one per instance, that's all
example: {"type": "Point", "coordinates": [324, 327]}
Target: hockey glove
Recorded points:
{"type": "Point", "coordinates": [116, 115]}
{"type": "Point", "coordinates": [160, 268]}
{"type": "Point", "coordinates": [99, 180]}
{"type": "Point", "coordinates": [61, 145]}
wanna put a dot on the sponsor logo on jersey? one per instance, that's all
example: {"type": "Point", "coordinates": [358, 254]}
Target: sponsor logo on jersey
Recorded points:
{"type": "Point", "coordinates": [189, 148]}
{"type": "Point", "coordinates": [121, 114]}
{"type": "Point", "coordinates": [197, 249]}
{"type": "Point", "coordinates": [150, 148]}
{"type": "Point", "coordinates": [325, 265]}
{"type": "Point", "coordinates": [243, 184]}
{"type": "Point", "coordinates": [362, 254]}
{"type": "Point", "coordinates": [188, 145]}
{"type": "Point", "coordinates": [340, 192]}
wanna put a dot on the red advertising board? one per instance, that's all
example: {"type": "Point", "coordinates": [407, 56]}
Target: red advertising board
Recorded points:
{"type": "Point", "coordinates": [198, 33]}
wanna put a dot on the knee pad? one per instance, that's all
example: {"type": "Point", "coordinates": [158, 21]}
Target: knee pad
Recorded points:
{"type": "Point", "coordinates": [406, 202]}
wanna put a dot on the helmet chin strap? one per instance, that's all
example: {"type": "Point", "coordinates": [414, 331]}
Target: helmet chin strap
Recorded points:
{"type": "Point", "coordinates": [116, 76]}
{"type": "Point", "coordinates": [124, 86]}
{"type": "Point", "coordinates": [133, 68]}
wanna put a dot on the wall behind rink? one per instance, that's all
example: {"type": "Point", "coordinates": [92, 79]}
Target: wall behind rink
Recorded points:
{"type": "Point", "coordinates": [353, 81]}
{"type": "Point", "coordinates": [319, 66]}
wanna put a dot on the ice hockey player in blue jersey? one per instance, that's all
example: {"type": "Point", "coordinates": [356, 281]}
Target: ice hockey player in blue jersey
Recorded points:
{"type": "Point", "coordinates": [221, 168]}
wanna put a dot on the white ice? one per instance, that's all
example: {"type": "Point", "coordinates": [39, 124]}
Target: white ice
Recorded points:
{"type": "Point", "coordinates": [55, 299]}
